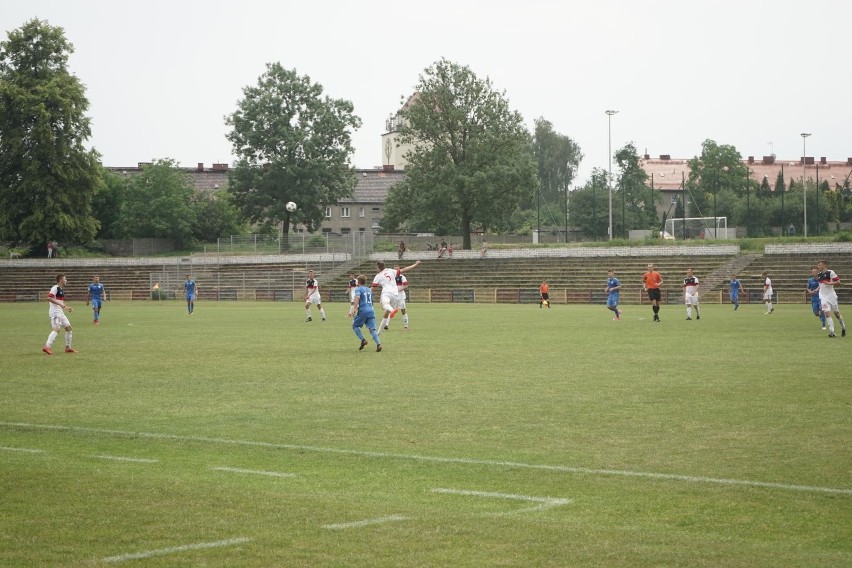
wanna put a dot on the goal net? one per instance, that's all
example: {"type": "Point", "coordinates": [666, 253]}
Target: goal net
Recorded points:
{"type": "Point", "coordinates": [697, 227]}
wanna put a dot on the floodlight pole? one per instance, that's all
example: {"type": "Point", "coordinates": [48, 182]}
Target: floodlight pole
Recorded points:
{"type": "Point", "coordinates": [609, 114]}
{"type": "Point", "coordinates": [804, 187]}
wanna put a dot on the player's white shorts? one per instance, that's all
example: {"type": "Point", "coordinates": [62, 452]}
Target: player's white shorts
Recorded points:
{"type": "Point", "coordinates": [314, 298]}
{"type": "Point", "coordinates": [388, 301]}
{"type": "Point", "coordinates": [767, 295]}
{"type": "Point", "coordinates": [828, 305]}
{"type": "Point", "coordinates": [59, 321]}
{"type": "Point", "coordinates": [400, 301]}
{"type": "Point", "coordinates": [690, 299]}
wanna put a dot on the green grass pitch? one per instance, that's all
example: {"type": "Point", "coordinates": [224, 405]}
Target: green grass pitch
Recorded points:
{"type": "Point", "coordinates": [488, 435]}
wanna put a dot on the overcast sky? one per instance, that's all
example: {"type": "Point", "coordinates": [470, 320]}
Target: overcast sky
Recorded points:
{"type": "Point", "coordinates": [161, 75]}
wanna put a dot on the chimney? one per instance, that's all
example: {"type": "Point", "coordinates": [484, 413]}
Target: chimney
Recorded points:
{"type": "Point", "coordinates": [387, 167]}
{"type": "Point", "coordinates": [665, 156]}
{"type": "Point", "coordinates": [220, 167]}
{"type": "Point", "coordinates": [849, 161]}
{"type": "Point", "coordinates": [751, 159]}
{"type": "Point", "coordinates": [808, 160]}
{"type": "Point", "coordinates": [822, 160]}
{"type": "Point", "coordinates": [647, 156]}
{"type": "Point", "coordinates": [769, 159]}
{"type": "Point", "coordinates": [200, 167]}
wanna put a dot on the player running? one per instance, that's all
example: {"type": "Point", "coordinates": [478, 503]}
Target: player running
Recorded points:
{"type": "Point", "coordinates": [58, 319]}
{"type": "Point", "coordinates": [828, 297]}
{"type": "Point", "coordinates": [386, 278]}
{"type": "Point", "coordinates": [96, 294]}
{"type": "Point", "coordinates": [612, 289]}
{"type": "Point", "coordinates": [363, 313]}
{"type": "Point", "coordinates": [813, 291]}
{"type": "Point", "coordinates": [690, 294]}
{"type": "Point", "coordinates": [312, 296]}
{"type": "Point", "coordinates": [651, 282]}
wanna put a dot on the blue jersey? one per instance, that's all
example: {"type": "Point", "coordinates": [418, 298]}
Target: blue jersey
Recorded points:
{"type": "Point", "coordinates": [613, 283]}
{"type": "Point", "coordinates": [736, 286]}
{"type": "Point", "coordinates": [189, 288]}
{"type": "Point", "coordinates": [96, 292]}
{"type": "Point", "coordinates": [813, 285]}
{"type": "Point", "coordinates": [365, 301]}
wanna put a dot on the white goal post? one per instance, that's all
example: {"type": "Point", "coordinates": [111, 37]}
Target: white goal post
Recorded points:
{"type": "Point", "coordinates": [698, 227]}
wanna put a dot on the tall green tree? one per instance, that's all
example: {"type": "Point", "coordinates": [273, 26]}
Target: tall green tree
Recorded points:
{"type": "Point", "coordinates": [158, 204]}
{"type": "Point", "coordinates": [216, 216]}
{"type": "Point", "coordinates": [292, 144]}
{"type": "Point", "coordinates": [47, 176]}
{"type": "Point", "coordinates": [107, 202]}
{"type": "Point", "coordinates": [637, 204]}
{"type": "Point", "coordinates": [471, 159]}
{"type": "Point", "coordinates": [558, 158]}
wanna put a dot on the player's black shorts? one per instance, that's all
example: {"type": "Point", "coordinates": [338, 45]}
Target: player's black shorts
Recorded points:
{"type": "Point", "coordinates": [654, 294]}
{"type": "Point", "coordinates": [545, 296]}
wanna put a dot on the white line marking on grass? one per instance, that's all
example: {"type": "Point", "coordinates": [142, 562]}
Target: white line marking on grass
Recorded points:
{"type": "Point", "coordinates": [125, 459]}
{"type": "Point", "coordinates": [25, 450]}
{"type": "Point", "coordinates": [253, 471]}
{"type": "Point", "coordinates": [543, 502]}
{"type": "Point", "coordinates": [173, 550]}
{"type": "Point", "coordinates": [435, 459]}
{"type": "Point", "coordinates": [366, 522]}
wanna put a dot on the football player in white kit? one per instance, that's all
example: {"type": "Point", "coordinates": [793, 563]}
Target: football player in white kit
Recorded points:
{"type": "Point", "coordinates": [58, 319]}
{"type": "Point", "coordinates": [828, 297]}
{"type": "Point", "coordinates": [312, 296]}
{"type": "Point", "coordinates": [690, 294]}
{"type": "Point", "coordinates": [767, 292]}
{"type": "Point", "coordinates": [386, 278]}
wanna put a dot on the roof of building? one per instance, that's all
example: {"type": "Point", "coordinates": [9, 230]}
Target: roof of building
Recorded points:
{"type": "Point", "coordinates": [668, 173]}
{"type": "Point", "coordinates": [374, 185]}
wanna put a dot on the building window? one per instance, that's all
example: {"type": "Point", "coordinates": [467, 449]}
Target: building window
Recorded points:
{"type": "Point", "coordinates": [326, 232]}
{"type": "Point", "coordinates": [362, 211]}
{"type": "Point", "coordinates": [362, 230]}
{"type": "Point", "coordinates": [674, 199]}
{"type": "Point", "coordinates": [344, 212]}
{"type": "Point", "coordinates": [345, 231]}
{"type": "Point", "coordinates": [376, 223]}
{"type": "Point", "coordinates": [376, 209]}
{"type": "Point", "coordinates": [328, 212]}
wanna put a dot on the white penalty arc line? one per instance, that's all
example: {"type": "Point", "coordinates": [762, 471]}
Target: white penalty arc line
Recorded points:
{"type": "Point", "coordinates": [23, 450]}
{"type": "Point", "coordinates": [435, 459]}
{"type": "Point", "coordinates": [175, 549]}
{"type": "Point", "coordinates": [253, 471]}
{"type": "Point", "coordinates": [366, 522]}
{"type": "Point", "coordinates": [543, 502]}
{"type": "Point", "coordinates": [126, 459]}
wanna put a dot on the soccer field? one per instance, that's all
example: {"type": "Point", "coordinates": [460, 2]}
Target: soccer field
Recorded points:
{"type": "Point", "coordinates": [488, 435]}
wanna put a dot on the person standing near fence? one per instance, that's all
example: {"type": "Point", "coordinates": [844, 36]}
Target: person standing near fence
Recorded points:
{"type": "Point", "coordinates": [651, 282]}
{"type": "Point", "coordinates": [767, 292]}
{"type": "Point", "coordinates": [613, 286]}
{"type": "Point", "coordinates": [363, 313]}
{"type": "Point", "coordinates": [312, 296]}
{"type": "Point", "coordinates": [58, 319]}
{"type": "Point", "coordinates": [400, 250]}
{"type": "Point", "coordinates": [813, 291]}
{"type": "Point", "coordinates": [736, 288]}
{"type": "Point", "coordinates": [190, 290]}
{"type": "Point", "coordinates": [690, 294]}
{"type": "Point", "coordinates": [96, 294]}
{"type": "Point", "coordinates": [828, 296]}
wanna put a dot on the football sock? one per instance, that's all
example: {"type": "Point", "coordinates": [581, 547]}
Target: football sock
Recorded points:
{"type": "Point", "coordinates": [656, 309]}
{"type": "Point", "coordinates": [830, 323]}
{"type": "Point", "coordinates": [405, 320]}
{"type": "Point", "coordinates": [842, 323]}
{"type": "Point", "coordinates": [689, 312]}
{"type": "Point", "coordinates": [51, 338]}
{"type": "Point", "coordinates": [375, 335]}
{"type": "Point", "coordinates": [67, 339]}
{"type": "Point", "coordinates": [308, 313]}
{"type": "Point", "coordinates": [322, 313]}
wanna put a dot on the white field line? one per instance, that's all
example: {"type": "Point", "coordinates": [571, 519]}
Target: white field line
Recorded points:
{"type": "Point", "coordinates": [366, 522]}
{"type": "Point", "coordinates": [173, 550]}
{"type": "Point", "coordinates": [543, 502]}
{"type": "Point", "coordinates": [253, 471]}
{"type": "Point", "coordinates": [24, 450]}
{"type": "Point", "coordinates": [125, 459]}
{"type": "Point", "coordinates": [436, 459]}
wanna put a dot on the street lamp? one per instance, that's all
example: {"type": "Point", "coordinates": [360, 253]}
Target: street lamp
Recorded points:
{"type": "Point", "coordinates": [609, 114]}
{"type": "Point", "coordinates": [804, 187]}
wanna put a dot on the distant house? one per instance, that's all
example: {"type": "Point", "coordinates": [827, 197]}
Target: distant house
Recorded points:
{"type": "Point", "coordinates": [360, 213]}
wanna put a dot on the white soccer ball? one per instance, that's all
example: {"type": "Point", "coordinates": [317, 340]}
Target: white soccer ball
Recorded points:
{"type": "Point", "coordinates": [290, 206]}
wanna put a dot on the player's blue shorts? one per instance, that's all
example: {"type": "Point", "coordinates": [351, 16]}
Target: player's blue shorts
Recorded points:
{"type": "Point", "coordinates": [190, 297]}
{"type": "Point", "coordinates": [735, 298]}
{"type": "Point", "coordinates": [362, 319]}
{"type": "Point", "coordinates": [612, 300]}
{"type": "Point", "coordinates": [96, 303]}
